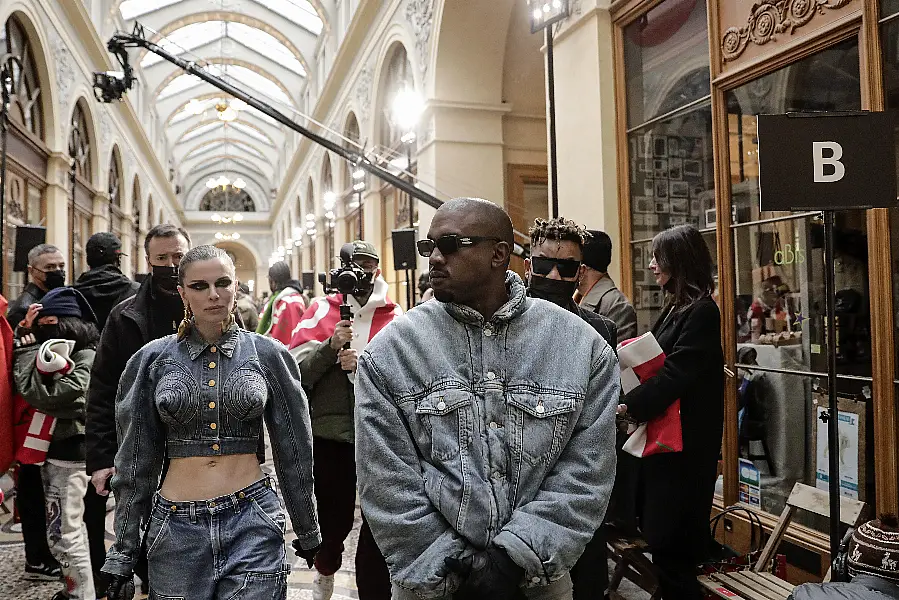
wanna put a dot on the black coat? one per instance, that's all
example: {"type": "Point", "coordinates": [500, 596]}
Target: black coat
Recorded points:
{"type": "Point", "coordinates": [19, 307]}
{"type": "Point", "coordinates": [676, 490]}
{"type": "Point", "coordinates": [603, 325]}
{"type": "Point", "coordinates": [104, 287]}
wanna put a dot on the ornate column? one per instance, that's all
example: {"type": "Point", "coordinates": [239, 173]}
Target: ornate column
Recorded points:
{"type": "Point", "coordinates": [100, 220]}
{"type": "Point", "coordinates": [59, 194]}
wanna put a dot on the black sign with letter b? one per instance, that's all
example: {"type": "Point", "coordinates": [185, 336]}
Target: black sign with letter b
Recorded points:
{"type": "Point", "coordinates": [827, 161]}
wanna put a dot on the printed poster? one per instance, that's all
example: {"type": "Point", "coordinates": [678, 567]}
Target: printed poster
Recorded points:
{"type": "Point", "coordinates": [750, 484]}
{"type": "Point", "coordinates": [849, 431]}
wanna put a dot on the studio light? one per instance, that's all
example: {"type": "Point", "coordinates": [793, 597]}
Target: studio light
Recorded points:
{"type": "Point", "coordinates": [239, 183]}
{"type": "Point", "coordinates": [546, 12]}
{"type": "Point", "coordinates": [406, 110]}
{"type": "Point", "coordinates": [358, 174]}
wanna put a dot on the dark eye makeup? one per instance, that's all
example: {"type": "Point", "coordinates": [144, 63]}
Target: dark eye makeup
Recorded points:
{"type": "Point", "coordinates": [200, 285]}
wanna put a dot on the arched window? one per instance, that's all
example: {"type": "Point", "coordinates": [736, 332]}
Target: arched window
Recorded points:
{"type": "Point", "coordinates": [81, 206]}
{"type": "Point", "coordinates": [25, 103]}
{"type": "Point", "coordinates": [353, 208]}
{"type": "Point", "coordinates": [329, 206]}
{"type": "Point", "coordinates": [26, 174]}
{"type": "Point", "coordinates": [116, 192]}
{"type": "Point", "coordinates": [136, 233]}
{"type": "Point", "coordinates": [398, 77]}
{"type": "Point", "coordinates": [227, 199]}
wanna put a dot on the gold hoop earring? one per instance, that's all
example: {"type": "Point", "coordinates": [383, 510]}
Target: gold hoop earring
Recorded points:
{"type": "Point", "coordinates": [227, 323]}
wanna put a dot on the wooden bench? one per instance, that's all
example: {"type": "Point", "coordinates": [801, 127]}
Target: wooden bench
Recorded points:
{"type": "Point", "coordinates": [631, 562]}
{"type": "Point", "coordinates": [756, 583]}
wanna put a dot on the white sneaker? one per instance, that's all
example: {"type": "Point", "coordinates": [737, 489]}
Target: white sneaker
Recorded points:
{"type": "Point", "coordinates": [322, 587]}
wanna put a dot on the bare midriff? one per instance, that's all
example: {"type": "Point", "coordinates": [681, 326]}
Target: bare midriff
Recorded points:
{"type": "Point", "coordinates": [205, 477]}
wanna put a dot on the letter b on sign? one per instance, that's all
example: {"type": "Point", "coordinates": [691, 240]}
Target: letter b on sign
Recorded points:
{"type": "Point", "coordinates": [833, 152]}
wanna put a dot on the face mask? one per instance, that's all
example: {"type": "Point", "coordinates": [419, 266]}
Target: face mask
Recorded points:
{"type": "Point", "coordinates": [54, 279]}
{"type": "Point", "coordinates": [556, 291]}
{"type": "Point", "coordinates": [165, 279]}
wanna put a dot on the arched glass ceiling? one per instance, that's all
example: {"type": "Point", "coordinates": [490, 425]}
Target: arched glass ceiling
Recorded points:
{"type": "Point", "coordinates": [235, 74]}
{"type": "Point", "coordinates": [208, 105]}
{"type": "Point", "coordinates": [197, 35]}
{"type": "Point", "coordinates": [222, 147]}
{"type": "Point", "coordinates": [226, 128]}
{"type": "Point", "coordinates": [300, 12]}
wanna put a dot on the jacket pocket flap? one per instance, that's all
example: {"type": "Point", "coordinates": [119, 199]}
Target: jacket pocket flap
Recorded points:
{"type": "Point", "coordinates": [443, 402]}
{"type": "Point", "coordinates": [542, 406]}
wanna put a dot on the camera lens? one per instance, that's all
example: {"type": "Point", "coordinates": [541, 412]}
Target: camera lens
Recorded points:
{"type": "Point", "coordinates": [346, 282]}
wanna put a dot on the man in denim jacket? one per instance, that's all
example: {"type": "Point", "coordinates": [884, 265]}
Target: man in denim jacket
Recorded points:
{"type": "Point", "coordinates": [485, 426]}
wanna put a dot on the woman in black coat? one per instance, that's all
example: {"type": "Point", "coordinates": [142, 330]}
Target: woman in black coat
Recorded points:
{"type": "Point", "coordinates": [675, 491]}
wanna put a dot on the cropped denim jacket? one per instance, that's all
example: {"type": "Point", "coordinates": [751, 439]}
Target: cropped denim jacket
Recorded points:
{"type": "Point", "coordinates": [190, 398]}
{"type": "Point", "coordinates": [473, 431]}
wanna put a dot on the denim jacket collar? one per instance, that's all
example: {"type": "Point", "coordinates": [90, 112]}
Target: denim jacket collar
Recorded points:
{"type": "Point", "coordinates": [196, 344]}
{"type": "Point", "coordinates": [508, 311]}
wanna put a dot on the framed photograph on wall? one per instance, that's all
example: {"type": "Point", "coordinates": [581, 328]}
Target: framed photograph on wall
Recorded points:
{"type": "Point", "coordinates": [675, 220]}
{"type": "Point", "coordinates": [675, 168]}
{"type": "Point", "coordinates": [695, 207]}
{"type": "Point", "coordinates": [637, 220]}
{"type": "Point", "coordinates": [655, 299]}
{"type": "Point", "coordinates": [680, 189]}
{"type": "Point", "coordinates": [646, 299]}
{"type": "Point", "coordinates": [673, 146]}
{"type": "Point", "coordinates": [662, 207]}
{"type": "Point", "coordinates": [638, 258]}
{"type": "Point", "coordinates": [638, 295]}
{"type": "Point", "coordinates": [660, 146]}
{"type": "Point", "coordinates": [644, 204]}
{"type": "Point", "coordinates": [692, 168]}
{"type": "Point", "coordinates": [649, 187]}
{"type": "Point", "coordinates": [711, 218]}
{"type": "Point", "coordinates": [661, 190]}
{"type": "Point", "coordinates": [644, 146]}
{"type": "Point", "coordinates": [651, 220]}
{"type": "Point", "coordinates": [679, 206]}
{"type": "Point", "coordinates": [660, 167]}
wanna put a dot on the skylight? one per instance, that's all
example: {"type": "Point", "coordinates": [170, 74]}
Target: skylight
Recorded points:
{"type": "Point", "coordinates": [224, 147]}
{"type": "Point", "coordinates": [300, 12]}
{"type": "Point", "coordinates": [266, 45]}
{"type": "Point", "coordinates": [253, 133]}
{"type": "Point", "coordinates": [198, 132]}
{"type": "Point", "coordinates": [242, 77]}
{"type": "Point", "coordinates": [187, 38]}
{"type": "Point", "coordinates": [180, 84]}
{"type": "Point", "coordinates": [132, 9]}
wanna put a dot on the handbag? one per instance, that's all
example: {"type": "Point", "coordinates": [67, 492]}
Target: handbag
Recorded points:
{"type": "Point", "coordinates": [641, 358]}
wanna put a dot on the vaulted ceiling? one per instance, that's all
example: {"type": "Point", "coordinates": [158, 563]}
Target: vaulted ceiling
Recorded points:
{"type": "Point", "coordinates": [263, 46]}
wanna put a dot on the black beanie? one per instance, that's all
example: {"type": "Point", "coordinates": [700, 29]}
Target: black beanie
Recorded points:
{"type": "Point", "coordinates": [598, 250]}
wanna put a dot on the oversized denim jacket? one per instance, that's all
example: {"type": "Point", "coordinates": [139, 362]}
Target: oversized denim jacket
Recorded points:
{"type": "Point", "coordinates": [471, 431]}
{"type": "Point", "coordinates": [190, 398]}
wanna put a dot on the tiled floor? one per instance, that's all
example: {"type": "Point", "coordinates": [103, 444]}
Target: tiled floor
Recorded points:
{"type": "Point", "coordinates": [14, 587]}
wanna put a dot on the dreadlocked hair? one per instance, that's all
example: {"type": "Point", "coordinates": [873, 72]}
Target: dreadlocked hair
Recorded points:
{"type": "Point", "coordinates": [560, 229]}
{"type": "Point", "coordinates": [198, 254]}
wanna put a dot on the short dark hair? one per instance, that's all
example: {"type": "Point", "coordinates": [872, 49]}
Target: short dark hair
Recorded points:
{"type": "Point", "coordinates": [84, 333]}
{"type": "Point", "coordinates": [279, 273]}
{"type": "Point", "coordinates": [163, 231]}
{"type": "Point", "coordinates": [682, 253]}
{"type": "Point", "coordinates": [559, 228]}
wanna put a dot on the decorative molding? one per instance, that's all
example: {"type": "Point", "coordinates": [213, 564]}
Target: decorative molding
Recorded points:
{"type": "Point", "coordinates": [420, 15]}
{"type": "Point", "coordinates": [65, 77]}
{"type": "Point", "coordinates": [768, 18]}
{"type": "Point", "coordinates": [363, 97]}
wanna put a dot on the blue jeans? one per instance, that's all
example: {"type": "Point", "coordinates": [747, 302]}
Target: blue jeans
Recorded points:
{"type": "Point", "coordinates": [226, 548]}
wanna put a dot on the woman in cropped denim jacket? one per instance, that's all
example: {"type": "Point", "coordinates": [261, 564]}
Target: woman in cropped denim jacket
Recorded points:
{"type": "Point", "coordinates": [215, 529]}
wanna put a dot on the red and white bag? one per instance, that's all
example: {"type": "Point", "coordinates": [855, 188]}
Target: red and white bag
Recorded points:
{"type": "Point", "coordinates": [641, 358]}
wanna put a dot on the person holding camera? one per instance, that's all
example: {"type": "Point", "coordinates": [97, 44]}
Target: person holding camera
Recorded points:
{"type": "Point", "coordinates": [326, 347]}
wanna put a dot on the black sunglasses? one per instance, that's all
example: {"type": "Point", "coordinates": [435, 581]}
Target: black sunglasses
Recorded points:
{"type": "Point", "coordinates": [449, 244]}
{"type": "Point", "coordinates": [544, 266]}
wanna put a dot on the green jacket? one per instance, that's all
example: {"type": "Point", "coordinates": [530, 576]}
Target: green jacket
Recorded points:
{"type": "Point", "coordinates": [330, 392]}
{"type": "Point", "coordinates": [63, 398]}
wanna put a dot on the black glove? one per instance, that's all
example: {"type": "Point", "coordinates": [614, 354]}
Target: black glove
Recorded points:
{"type": "Point", "coordinates": [490, 575]}
{"type": "Point", "coordinates": [307, 555]}
{"type": "Point", "coordinates": [120, 588]}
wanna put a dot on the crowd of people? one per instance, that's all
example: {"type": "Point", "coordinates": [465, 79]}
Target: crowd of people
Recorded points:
{"type": "Point", "coordinates": [479, 428]}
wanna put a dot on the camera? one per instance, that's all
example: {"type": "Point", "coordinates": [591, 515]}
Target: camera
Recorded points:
{"type": "Point", "coordinates": [110, 86]}
{"type": "Point", "coordinates": [349, 279]}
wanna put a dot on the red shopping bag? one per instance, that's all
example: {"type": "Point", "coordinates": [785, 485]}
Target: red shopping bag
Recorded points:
{"type": "Point", "coordinates": [641, 358]}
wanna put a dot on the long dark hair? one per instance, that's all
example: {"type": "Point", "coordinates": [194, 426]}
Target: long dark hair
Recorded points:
{"type": "Point", "coordinates": [84, 333]}
{"type": "Point", "coordinates": [683, 255]}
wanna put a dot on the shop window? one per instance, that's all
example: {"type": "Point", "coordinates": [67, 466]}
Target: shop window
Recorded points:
{"type": "Point", "coordinates": [25, 102]}
{"type": "Point", "coordinates": [888, 8]}
{"type": "Point", "coordinates": [666, 54]}
{"type": "Point", "coordinates": [116, 192]}
{"type": "Point", "coordinates": [780, 297]}
{"type": "Point", "coordinates": [889, 36]}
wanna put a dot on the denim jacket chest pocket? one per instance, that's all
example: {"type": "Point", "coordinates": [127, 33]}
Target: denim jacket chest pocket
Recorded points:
{"type": "Point", "coordinates": [177, 396]}
{"type": "Point", "coordinates": [538, 423]}
{"type": "Point", "coordinates": [447, 418]}
{"type": "Point", "coordinates": [244, 393]}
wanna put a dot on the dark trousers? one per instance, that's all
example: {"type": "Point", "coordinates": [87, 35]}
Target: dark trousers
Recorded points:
{"type": "Point", "coordinates": [590, 574]}
{"type": "Point", "coordinates": [31, 507]}
{"type": "Point", "coordinates": [335, 495]}
{"type": "Point", "coordinates": [95, 523]}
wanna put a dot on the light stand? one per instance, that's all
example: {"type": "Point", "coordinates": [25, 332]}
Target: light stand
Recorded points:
{"type": "Point", "coordinates": [5, 94]}
{"type": "Point", "coordinates": [544, 14]}
{"type": "Point", "coordinates": [74, 143]}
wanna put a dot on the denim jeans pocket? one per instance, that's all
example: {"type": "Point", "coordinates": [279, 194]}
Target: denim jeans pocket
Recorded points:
{"type": "Point", "coordinates": [268, 508]}
{"type": "Point", "coordinates": [157, 529]}
{"type": "Point", "coordinates": [154, 596]}
{"type": "Point", "coordinates": [263, 586]}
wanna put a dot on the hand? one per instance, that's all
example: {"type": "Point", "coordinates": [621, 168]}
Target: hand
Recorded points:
{"type": "Point", "coordinates": [120, 588]}
{"type": "Point", "coordinates": [99, 479]}
{"type": "Point", "coordinates": [31, 315]}
{"type": "Point", "coordinates": [343, 334]}
{"type": "Point", "coordinates": [348, 360]}
{"type": "Point", "coordinates": [488, 575]}
{"type": "Point", "coordinates": [307, 555]}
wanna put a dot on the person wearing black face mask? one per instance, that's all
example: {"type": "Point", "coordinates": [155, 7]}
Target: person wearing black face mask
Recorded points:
{"type": "Point", "coordinates": [47, 271]}
{"type": "Point", "coordinates": [154, 312]}
{"type": "Point", "coordinates": [554, 271]}
{"type": "Point", "coordinates": [326, 349]}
